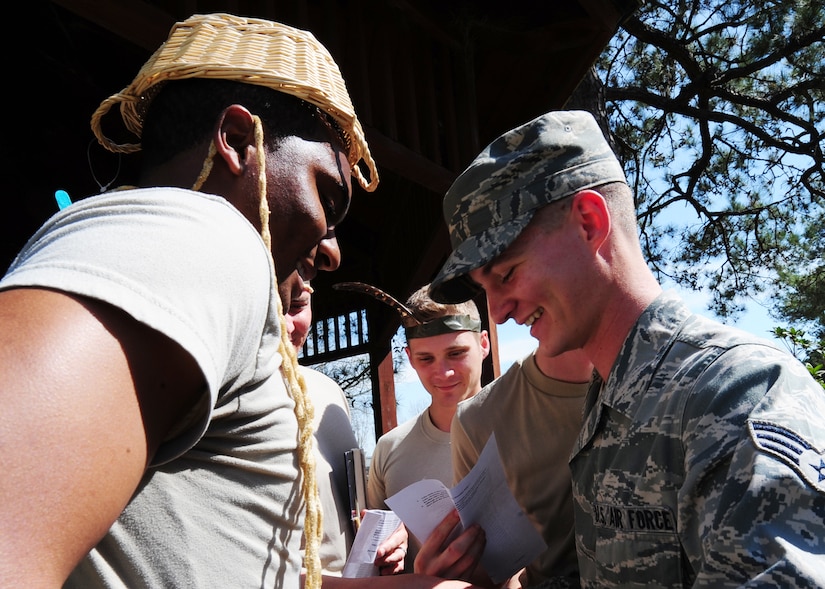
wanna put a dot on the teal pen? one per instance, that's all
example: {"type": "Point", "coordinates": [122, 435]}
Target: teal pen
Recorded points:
{"type": "Point", "coordinates": [62, 198]}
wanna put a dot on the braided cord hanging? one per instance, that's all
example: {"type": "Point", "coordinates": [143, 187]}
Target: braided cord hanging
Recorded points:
{"type": "Point", "coordinates": [304, 411]}
{"type": "Point", "coordinates": [296, 385]}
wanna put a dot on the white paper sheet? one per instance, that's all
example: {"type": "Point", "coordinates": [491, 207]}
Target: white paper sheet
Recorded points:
{"type": "Point", "coordinates": [482, 497]}
{"type": "Point", "coordinates": [376, 525]}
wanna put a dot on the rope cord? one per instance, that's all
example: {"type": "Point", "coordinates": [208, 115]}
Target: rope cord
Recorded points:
{"type": "Point", "coordinates": [296, 385]}
{"type": "Point", "coordinates": [304, 411]}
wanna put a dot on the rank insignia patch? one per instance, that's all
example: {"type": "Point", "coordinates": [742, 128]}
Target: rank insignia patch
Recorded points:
{"type": "Point", "coordinates": [791, 449]}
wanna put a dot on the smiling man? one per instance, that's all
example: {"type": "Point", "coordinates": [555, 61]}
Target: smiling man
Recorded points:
{"type": "Point", "coordinates": [153, 431]}
{"type": "Point", "coordinates": [446, 349]}
{"type": "Point", "coordinates": [701, 458]}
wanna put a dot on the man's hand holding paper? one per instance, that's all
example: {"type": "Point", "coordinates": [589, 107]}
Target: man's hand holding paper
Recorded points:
{"type": "Point", "coordinates": [482, 498]}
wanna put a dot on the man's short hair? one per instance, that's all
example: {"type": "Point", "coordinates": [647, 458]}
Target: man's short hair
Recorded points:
{"type": "Point", "coordinates": [426, 309]}
{"type": "Point", "coordinates": [183, 115]}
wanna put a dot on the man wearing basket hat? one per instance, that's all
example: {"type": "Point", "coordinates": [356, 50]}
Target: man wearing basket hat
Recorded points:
{"type": "Point", "coordinates": [701, 460]}
{"type": "Point", "coordinates": [154, 430]}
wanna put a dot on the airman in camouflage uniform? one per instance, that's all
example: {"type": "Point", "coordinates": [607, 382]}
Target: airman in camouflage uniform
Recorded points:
{"type": "Point", "coordinates": [701, 461]}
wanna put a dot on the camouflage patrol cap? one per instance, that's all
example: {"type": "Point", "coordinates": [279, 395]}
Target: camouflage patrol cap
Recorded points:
{"type": "Point", "coordinates": [493, 200]}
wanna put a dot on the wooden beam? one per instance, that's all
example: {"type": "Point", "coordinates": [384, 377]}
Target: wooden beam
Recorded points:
{"type": "Point", "coordinates": [386, 401]}
{"type": "Point", "coordinates": [610, 14]}
{"type": "Point", "coordinates": [138, 22]}
{"type": "Point", "coordinates": [406, 163]}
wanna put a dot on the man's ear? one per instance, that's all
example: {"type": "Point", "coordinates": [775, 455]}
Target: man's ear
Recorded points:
{"type": "Point", "coordinates": [235, 137]}
{"type": "Point", "coordinates": [484, 340]}
{"type": "Point", "coordinates": [594, 217]}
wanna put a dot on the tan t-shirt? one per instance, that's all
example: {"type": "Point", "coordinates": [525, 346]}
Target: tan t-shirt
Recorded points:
{"type": "Point", "coordinates": [536, 420]}
{"type": "Point", "coordinates": [414, 450]}
{"type": "Point", "coordinates": [220, 505]}
{"type": "Point", "coordinates": [333, 437]}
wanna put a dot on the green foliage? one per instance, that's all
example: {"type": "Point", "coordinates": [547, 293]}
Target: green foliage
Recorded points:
{"type": "Point", "coordinates": [804, 298]}
{"type": "Point", "coordinates": [718, 111]}
{"type": "Point", "coordinates": [809, 352]}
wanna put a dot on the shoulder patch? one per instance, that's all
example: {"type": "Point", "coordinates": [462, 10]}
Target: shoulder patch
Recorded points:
{"type": "Point", "coordinates": [792, 449]}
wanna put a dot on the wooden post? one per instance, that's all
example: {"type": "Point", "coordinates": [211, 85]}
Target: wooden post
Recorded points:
{"type": "Point", "coordinates": [383, 392]}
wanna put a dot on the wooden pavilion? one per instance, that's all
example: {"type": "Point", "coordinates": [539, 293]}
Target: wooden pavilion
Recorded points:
{"type": "Point", "coordinates": [433, 81]}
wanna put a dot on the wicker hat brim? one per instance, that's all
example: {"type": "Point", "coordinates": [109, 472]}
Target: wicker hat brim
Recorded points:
{"type": "Point", "coordinates": [247, 50]}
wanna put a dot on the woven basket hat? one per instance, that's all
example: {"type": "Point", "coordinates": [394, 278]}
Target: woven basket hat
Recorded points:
{"type": "Point", "coordinates": [249, 50]}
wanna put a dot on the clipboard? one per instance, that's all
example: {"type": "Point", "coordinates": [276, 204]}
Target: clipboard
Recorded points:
{"type": "Point", "coordinates": [356, 485]}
